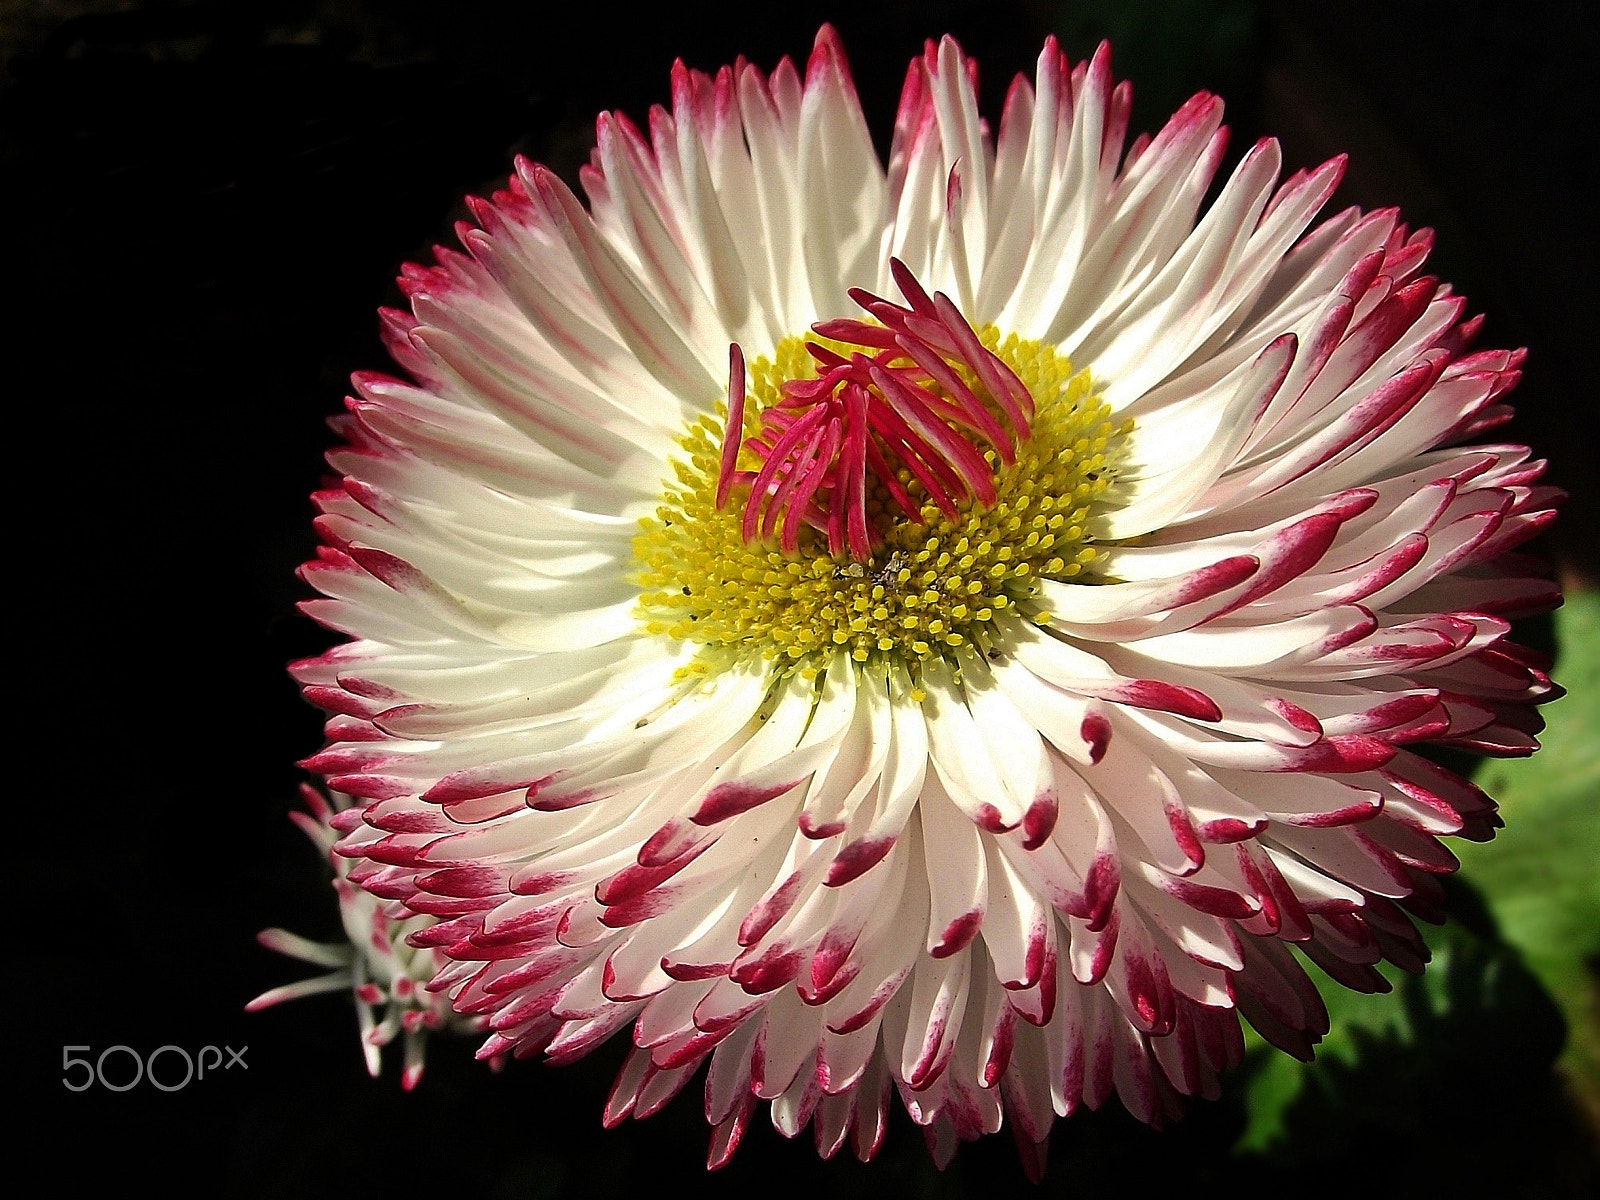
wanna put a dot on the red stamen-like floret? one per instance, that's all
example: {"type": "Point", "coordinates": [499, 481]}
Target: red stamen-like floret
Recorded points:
{"type": "Point", "coordinates": [899, 401]}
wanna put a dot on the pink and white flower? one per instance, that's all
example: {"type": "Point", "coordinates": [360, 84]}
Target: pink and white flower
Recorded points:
{"type": "Point", "coordinates": [953, 629]}
{"type": "Point", "coordinates": [376, 965]}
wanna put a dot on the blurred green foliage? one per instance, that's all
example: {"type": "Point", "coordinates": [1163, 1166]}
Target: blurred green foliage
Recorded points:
{"type": "Point", "coordinates": [1512, 989]}
{"type": "Point", "coordinates": [1540, 877]}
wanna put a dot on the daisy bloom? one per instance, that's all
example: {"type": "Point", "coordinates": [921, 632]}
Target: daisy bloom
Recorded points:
{"type": "Point", "coordinates": [954, 629]}
{"type": "Point", "coordinates": [383, 973]}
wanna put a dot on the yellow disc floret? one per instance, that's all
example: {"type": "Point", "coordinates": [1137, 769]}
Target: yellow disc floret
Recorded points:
{"type": "Point", "coordinates": [929, 587]}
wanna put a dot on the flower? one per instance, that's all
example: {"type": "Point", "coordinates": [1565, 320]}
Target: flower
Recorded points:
{"type": "Point", "coordinates": [379, 968]}
{"type": "Point", "coordinates": [991, 687]}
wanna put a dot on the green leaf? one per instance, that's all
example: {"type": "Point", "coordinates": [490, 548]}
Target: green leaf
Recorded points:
{"type": "Point", "coordinates": [1476, 1022]}
{"type": "Point", "coordinates": [1514, 970]}
{"type": "Point", "coordinates": [1540, 878]}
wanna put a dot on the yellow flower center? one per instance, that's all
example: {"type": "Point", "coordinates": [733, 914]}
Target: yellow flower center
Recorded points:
{"type": "Point", "coordinates": [930, 586]}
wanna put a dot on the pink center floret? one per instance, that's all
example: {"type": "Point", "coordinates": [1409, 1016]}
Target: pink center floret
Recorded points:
{"type": "Point", "coordinates": [900, 400]}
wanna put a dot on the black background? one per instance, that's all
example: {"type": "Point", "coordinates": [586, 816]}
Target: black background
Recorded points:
{"type": "Point", "coordinates": [203, 205]}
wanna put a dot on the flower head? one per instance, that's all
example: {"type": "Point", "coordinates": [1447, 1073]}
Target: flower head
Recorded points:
{"type": "Point", "coordinates": [953, 629]}
{"type": "Point", "coordinates": [382, 971]}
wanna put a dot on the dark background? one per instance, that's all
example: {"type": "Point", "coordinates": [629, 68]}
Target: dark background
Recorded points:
{"type": "Point", "coordinates": [203, 204]}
